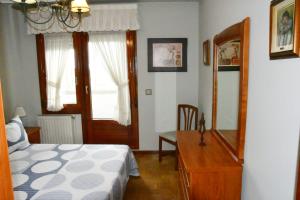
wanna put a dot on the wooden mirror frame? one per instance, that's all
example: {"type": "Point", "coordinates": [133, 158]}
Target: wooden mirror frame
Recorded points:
{"type": "Point", "coordinates": [238, 31]}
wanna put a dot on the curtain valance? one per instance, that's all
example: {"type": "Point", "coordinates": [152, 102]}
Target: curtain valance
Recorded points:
{"type": "Point", "coordinates": [104, 17]}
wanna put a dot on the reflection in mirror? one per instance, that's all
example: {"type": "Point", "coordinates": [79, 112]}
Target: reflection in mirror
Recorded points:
{"type": "Point", "coordinates": [228, 90]}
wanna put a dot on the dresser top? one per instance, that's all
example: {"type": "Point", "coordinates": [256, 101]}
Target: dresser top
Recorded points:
{"type": "Point", "coordinates": [196, 158]}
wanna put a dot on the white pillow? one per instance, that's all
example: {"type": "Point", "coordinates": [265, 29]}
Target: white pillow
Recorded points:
{"type": "Point", "coordinates": [16, 135]}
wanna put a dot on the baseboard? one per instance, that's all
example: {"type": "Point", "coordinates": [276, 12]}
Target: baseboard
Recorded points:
{"type": "Point", "coordinates": [165, 152]}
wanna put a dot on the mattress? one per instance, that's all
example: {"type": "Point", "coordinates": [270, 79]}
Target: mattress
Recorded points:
{"type": "Point", "coordinates": [64, 172]}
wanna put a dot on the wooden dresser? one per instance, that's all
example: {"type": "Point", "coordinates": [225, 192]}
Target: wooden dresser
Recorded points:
{"type": "Point", "coordinates": [207, 172]}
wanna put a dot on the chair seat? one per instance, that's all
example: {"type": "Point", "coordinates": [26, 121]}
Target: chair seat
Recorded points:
{"type": "Point", "coordinates": [169, 136]}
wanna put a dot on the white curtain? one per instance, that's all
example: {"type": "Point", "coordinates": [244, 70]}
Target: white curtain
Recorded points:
{"type": "Point", "coordinates": [56, 49]}
{"type": "Point", "coordinates": [112, 47]}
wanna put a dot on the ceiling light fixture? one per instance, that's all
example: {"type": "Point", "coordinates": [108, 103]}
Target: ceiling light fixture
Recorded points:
{"type": "Point", "coordinates": [68, 13]}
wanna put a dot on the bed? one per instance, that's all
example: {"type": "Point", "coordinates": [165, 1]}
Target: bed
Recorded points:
{"type": "Point", "coordinates": [63, 172]}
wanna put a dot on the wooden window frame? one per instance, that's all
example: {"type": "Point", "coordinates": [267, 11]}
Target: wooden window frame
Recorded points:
{"type": "Point", "coordinates": [133, 138]}
{"type": "Point", "coordinates": [80, 43]}
{"type": "Point", "coordinates": [41, 57]}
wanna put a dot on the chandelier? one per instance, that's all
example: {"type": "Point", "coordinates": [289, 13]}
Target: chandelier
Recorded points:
{"type": "Point", "coordinates": [67, 13]}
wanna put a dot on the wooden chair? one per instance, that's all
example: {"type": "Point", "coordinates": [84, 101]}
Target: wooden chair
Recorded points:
{"type": "Point", "coordinates": [189, 114]}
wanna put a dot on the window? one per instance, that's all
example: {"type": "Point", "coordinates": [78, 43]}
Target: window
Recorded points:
{"type": "Point", "coordinates": [108, 69]}
{"type": "Point", "coordinates": [73, 64]}
{"type": "Point", "coordinates": [59, 84]}
{"type": "Point", "coordinates": [86, 78]}
{"type": "Point", "coordinates": [104, 92]}
{"type": "Point", "coordinates": [60, 71]}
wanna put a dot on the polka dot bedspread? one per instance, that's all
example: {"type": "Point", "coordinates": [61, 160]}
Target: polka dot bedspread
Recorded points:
{"type": "Point", "coordinates": [65, 172]}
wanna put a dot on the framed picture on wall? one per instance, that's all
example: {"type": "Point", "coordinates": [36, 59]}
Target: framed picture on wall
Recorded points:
{"type": "Point", "coordinates": [284, 29]}
{"type": "Point", "coordinates": [206, 52]}
{"type": "Point", "coordinates": [167, 55]}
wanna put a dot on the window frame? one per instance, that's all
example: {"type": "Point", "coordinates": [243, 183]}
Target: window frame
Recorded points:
{"type": "Point", "coordinates": [80, 42]}
{"type": "Point", "coordinates": [41, 57]}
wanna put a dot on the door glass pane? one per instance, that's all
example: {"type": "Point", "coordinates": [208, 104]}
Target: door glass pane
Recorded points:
{"type": "Point", "coordinates": [104, 92]}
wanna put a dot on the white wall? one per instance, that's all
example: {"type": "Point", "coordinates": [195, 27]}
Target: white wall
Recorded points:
{"type": "Point", "coordinates": [158, 112]}
{"type": "Point", "coordinates": [18, 63]}
{"type": "Point", "coordinates": [272, 133]}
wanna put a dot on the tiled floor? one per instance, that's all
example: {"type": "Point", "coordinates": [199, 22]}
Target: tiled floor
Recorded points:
{"type": "Point", "coordinates": [158, 181]}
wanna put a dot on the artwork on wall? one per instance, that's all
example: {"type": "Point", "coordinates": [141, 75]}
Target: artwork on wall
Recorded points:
{"type": "Point", "coordinates": [229, 56]}
{"type": "Point", "coordinates": [206, 52]}
{"type": "Point", "coordinates": [284, 29]}
{"type": "Point", "coordinates": [167, 55]}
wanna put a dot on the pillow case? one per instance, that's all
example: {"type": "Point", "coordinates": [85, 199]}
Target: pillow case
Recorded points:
{"type": "Point", "coordinates": [16, 135]}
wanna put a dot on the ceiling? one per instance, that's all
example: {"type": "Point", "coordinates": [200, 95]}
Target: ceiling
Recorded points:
{"type": "Point", "coordinates": [119, 1]}
{"type": "Point", "coordinates": [126, 1]}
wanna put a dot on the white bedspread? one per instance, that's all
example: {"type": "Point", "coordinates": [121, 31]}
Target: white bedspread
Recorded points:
{"type": "Point", "coordinates": [64, 172]}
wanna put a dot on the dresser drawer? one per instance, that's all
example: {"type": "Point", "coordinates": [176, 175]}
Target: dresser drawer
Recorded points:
{"type": "Point", "coordinates": [184, 179]}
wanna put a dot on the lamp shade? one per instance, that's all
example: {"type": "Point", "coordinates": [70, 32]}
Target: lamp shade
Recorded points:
{"type": "Point", "coordinates": [20, 112]}
{"type": "Point", "coordinates": [79, 6]}
{"type": "Point", "coordinates": [25, 1]}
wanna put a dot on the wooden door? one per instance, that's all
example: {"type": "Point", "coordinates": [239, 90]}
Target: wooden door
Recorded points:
{"type": "Point", "coordinates": [100, 131]}
{"type": "Point", "coordinates": [6, 190]}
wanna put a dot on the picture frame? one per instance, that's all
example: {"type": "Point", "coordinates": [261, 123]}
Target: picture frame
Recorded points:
{"type": "Point", "coordinates": [206, 52]}
{"type": "Point", "coordinates": [284, 29]}
{"type": "Point", "coordinates": [167, 54]}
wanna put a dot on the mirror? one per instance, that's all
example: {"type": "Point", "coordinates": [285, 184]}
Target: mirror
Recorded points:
{"type": "Point", "coordinates": [228, 90]}
{"type": "Point", "coordinates": [231, 49]}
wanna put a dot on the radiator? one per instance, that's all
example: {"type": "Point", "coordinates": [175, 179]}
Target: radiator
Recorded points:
{"type": "Point", "coordinates": [60, 129]}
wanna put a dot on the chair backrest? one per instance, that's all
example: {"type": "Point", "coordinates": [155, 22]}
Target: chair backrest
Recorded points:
{"type": "Point", "coordinates": [189, 114]}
